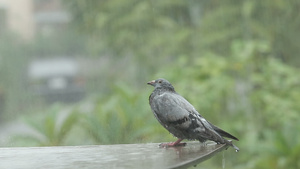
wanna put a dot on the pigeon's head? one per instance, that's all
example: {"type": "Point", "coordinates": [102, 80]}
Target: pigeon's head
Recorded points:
{"type": "Point", "coordinates": [161, 83]}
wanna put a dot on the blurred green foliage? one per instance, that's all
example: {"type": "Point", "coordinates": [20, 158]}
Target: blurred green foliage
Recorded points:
{"type": "Point", "coordinates": [236, 61]}
{"type": "Point", "coordinates": [123, 117]}
{"type": "Point", "coordinates": [160, 29]}
{"type": "Point", "coordinates": [256, 101]}
{"type": "Point", "coordinates": [255, 97]}
{"type": "Point", "coordinates": [50, 128]}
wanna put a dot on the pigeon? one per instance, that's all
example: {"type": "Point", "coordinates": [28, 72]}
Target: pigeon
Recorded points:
{"type": "Point", "coordinates": [181, 119]}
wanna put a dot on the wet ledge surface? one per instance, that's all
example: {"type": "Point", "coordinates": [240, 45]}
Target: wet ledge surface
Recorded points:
{"type": "Point", "coordinates": [108, 156]}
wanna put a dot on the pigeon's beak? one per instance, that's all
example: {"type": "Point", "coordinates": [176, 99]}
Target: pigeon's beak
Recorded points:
{"type": "Point", "coordinates": [151, 83]}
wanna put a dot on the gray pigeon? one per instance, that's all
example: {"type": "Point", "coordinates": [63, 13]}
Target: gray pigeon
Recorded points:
{"type": "Point", "coordinates": [181, 119]}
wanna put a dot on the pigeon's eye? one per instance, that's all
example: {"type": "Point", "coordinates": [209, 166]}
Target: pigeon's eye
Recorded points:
{"type": "Point", "coordinates": [159, 81]}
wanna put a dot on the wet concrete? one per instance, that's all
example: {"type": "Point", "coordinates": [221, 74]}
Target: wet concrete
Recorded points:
{"type": "Point", "coordinates": [108, 156]}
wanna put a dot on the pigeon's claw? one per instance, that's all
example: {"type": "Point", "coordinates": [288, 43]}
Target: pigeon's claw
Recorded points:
{"type": "Point", "coordinates": [172, 144]}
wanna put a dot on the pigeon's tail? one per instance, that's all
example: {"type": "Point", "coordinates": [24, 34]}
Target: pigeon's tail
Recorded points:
{"type": "Point", "coordinates": [223, 133]}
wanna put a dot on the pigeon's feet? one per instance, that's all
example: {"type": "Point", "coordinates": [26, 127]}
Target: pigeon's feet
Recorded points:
{"type": "Point", "coordinates": [172, 144]}
{"type": "Point", "coordinates": [165, 145]}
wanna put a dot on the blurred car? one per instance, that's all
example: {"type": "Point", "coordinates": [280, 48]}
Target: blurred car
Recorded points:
{"type": "Point", "coordinates": [56, 79]}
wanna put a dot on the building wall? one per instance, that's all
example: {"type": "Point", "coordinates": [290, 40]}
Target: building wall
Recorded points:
{"type": "Point", "coordinates": [19, 17]}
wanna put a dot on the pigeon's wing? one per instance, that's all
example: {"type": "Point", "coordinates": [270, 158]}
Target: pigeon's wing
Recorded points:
{"type": "Point", "coordinates": [204, 122]}
{"type": "Point", "coordinates": [172, 115]}
{"type": "Point", "coordinates": [178, 116]}
{"type": "Point", "coordinates": [166, 108]}
{"type": "Point", "coordinates": [203, 129]}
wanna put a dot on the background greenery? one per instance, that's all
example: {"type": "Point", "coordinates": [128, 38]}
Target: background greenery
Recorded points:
{"type": "Point", "coordinates": [236, 61]}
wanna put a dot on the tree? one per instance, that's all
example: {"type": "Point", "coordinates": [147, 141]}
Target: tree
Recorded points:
{"type": "Point", "coordinates": [168, 29]}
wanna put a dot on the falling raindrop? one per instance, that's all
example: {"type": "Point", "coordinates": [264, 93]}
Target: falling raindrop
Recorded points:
{"type": "Point", "coordinates": [223, 160]}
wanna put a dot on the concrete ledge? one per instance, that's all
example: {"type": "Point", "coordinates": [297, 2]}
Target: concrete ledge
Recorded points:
{"type": "Point", "coordinates": [108, 156]}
